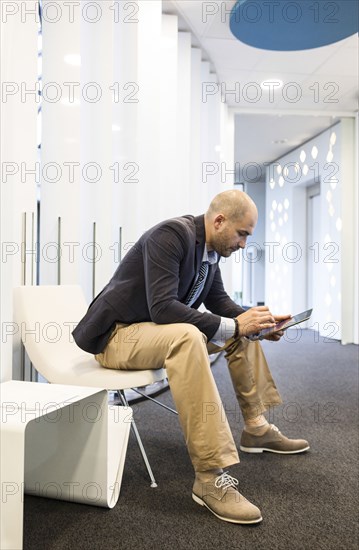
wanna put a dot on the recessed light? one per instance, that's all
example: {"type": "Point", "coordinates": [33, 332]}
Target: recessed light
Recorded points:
{"type": "Point", "coordinates": [330, 156]}
{"type": "Point", "coordinates": [314, 152]}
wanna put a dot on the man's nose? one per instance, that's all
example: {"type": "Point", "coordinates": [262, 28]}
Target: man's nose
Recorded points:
{"type": "Point", "coordinates": [242, 242]}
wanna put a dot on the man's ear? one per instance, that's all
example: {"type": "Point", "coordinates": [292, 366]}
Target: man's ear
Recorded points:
{"type": "Point", "coordinates": [218, 221]}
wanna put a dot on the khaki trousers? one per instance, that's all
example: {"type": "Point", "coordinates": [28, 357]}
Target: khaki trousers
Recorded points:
{"type": "Point", "coordinates": [182, 349]}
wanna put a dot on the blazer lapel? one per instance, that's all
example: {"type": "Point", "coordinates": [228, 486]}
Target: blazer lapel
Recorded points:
{"type": "Point", "coordinates": [200, 241]}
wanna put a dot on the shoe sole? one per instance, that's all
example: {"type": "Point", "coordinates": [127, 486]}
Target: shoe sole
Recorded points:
{"type": "Point", "coordinates": [244, 522]}
{"type": "Point", "coordinates": [262, 449]}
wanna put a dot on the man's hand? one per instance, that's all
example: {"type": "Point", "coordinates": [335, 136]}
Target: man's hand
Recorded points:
{"type": "Point", "coordinates": [256, 319]}
{"type": "Point", "coordinates": [277, 335]}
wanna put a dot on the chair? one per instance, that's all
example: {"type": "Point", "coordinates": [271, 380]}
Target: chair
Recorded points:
{"type": "Point", "coordinates": [46, 316]}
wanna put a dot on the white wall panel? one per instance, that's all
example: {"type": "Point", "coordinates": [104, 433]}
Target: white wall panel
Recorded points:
{"type": "Point", "coordinates": [125, 132]}
{"type": "Point", "coordinates": [348, 222]}
{"type": "Point", "coordinates": [19, 45]}
{"type": "Point", "coordinates": [61, 153]}
{"type": "Point", "coordinates": [97, 53]}
{"type": "Point", "coordinates": [126, 128]}
{"type": "Point", "coordinates": [327, 160]}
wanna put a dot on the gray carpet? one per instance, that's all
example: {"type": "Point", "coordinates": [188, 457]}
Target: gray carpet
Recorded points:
{"type": "Point", "coordinates": [308, 501]}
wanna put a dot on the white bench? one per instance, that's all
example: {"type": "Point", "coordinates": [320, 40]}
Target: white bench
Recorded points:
{"type": "Point", "coordinates": [58, 441]}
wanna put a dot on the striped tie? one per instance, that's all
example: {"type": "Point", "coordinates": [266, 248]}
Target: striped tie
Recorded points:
{"type": "Point", "coordinates": [198, 285]}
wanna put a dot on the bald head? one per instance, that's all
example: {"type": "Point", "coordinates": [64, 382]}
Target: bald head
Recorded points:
{"type": "Point", "coordinates": [232, 204]}
{"type": "Point", "coordinates": [229, 220]}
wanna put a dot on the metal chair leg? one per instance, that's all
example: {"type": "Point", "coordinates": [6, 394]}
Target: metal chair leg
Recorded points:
{"type": "Point", "coordinates": [138, 439]}
{"type": "Point", "coordinates": [154, 400]}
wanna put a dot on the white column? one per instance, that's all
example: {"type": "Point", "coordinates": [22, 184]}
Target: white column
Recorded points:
{"type": "Point", "coordinates": [125, 134]}
{"type": "Point", "coordinates": [170, 191]}
{"type": "Point", "coordinates": [60, 150]}
{"type": "Point", "coordinates": [19, 46]}
{"type": "Point", "coordinates": [210, 136]}
{"type": "Point", "coordinates": [145, 212]}
{"type": "Point", "coordinates": [196, 103]}
{"type": "Point", "coordinates": [214, 181]}
{"type": "Point", "coordinates": [227, 147]}
{"type": "Point", "coordinates": [207, 169]}
{"type": "Point", "coordinates": [231, 271]}
{"type": "Point", "coordinates": [77, 138]}
{"type": "Point", "coordinates": [100, 184]}
{"type": "Point", "coordinates": [183, 168]}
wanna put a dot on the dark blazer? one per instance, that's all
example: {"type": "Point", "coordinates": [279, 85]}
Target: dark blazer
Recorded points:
{"type": "Point", "coordinates": [152, 282]}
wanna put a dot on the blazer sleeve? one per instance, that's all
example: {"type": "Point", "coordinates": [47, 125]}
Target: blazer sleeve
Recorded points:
{"type": "Point", "coordinates": [163, 253]}
{"type": "Point", "coordinates": [218, 301]}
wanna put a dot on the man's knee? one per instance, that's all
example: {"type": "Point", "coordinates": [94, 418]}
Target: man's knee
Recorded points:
{"type": "Point", "coordinates": [190, 333]}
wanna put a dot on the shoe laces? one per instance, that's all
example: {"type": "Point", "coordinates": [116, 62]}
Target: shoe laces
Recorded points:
{"type": "Point", "coordinates": [274, 428]}
{"type": "Point", "coordinates": [225, 480]}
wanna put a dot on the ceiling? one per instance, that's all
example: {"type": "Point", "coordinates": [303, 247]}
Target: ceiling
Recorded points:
{"type": "Point", "coordinates": [320, 85]}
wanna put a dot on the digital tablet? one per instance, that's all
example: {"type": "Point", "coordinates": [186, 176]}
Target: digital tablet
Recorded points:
{"type": "Point", "coordinates": [283, 325]}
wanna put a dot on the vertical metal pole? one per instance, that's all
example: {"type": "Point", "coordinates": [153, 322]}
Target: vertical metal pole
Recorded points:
{"type": "Point", "coordinates": [23, 282]}
{"type": "Point", "coordinates": [93, 260]}
{"type": "Point", "coordinates": [119, 245]}
{"type": "Point", "coordinates": [59, 250]}
{"type": "Point", "coordinates": [33, 373]}
{"type": "Point", "coordinates": [23, 252]}
{"type": "Point", "coordinates": [38, 242]}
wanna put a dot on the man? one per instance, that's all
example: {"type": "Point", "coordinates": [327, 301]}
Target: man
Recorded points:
{"type": "Point", "coordinates": [147, 317]}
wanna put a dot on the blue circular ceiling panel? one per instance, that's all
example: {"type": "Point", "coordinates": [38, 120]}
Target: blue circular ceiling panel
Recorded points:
{"type": "Point", "coordinates": [283, 25]}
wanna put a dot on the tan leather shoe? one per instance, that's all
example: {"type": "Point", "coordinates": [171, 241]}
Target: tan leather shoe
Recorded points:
{"type": "Point", "coordinates": [221, 498]}
{"type": "Point", "coordinates": [272, 441]}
